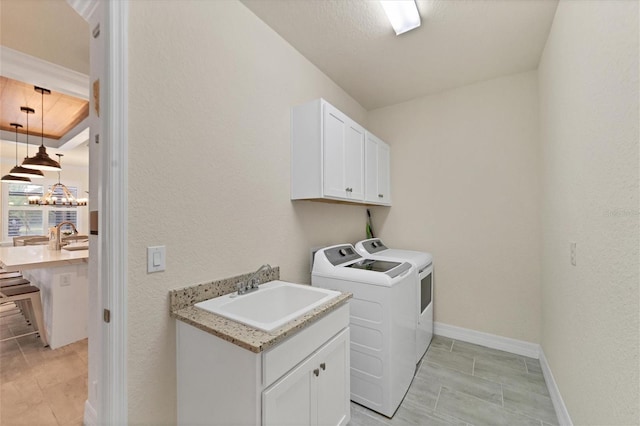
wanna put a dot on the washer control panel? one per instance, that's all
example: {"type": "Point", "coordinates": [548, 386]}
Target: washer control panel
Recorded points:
{"type": "Point", "coordinates": [341, 254]}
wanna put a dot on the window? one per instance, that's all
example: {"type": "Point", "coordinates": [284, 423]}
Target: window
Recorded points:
{"type": "Point", "coordinates": [24, 219]}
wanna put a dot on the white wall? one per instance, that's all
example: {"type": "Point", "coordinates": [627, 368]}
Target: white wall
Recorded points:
{"type": "Point", "coordinates": [210, 92]}
{"type": "Point", "coordinates": [588, 79]}
{"type": "Point", "coordinates": [465, 185]}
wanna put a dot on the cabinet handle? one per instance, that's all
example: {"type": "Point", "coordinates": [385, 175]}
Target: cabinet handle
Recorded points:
{"type": "Point", "coordinates": [349, 189]}
{"type": "Point", "coordinates": [316, 372]}
{"type": "Point", "coordinates": [323, 366]}
{"type": "Point", "coordinates": [380, 196]}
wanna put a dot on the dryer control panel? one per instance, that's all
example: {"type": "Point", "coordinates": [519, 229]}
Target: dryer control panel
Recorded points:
{"type": "Point", "coordinates": [374, 246]}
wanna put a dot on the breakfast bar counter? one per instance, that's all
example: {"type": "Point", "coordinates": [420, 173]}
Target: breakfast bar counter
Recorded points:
{"type": "Point", "coordinates": [34, 257]}
{"type": "Point", "coordinates": [62, 277]}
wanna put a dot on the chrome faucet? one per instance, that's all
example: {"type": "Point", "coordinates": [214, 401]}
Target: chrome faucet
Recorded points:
{"type": "Point", "coordinates": [58, 245]}
{"type": "Point", "coordinates": [252, 283]}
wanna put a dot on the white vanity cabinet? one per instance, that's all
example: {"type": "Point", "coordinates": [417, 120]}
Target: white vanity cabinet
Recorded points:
{"type": "Point", "coordinates": [327, 154]}
{"type": "Point", "coordinates": [314, 392]}
{"type": "Point", "coordinates": [304, 380]}
{"type": "Point", "coordinates": [377, 171]}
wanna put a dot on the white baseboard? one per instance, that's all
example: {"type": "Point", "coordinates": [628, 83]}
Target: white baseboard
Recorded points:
{"type": "Point", "coordinates": [90, 415]}
{"type": "Point", "coordinates": [558, 403]}
{"type": "Point", "coordinates": [518, 347]}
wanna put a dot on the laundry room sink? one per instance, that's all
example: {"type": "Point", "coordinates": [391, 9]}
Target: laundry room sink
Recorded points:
{"type": "Point", "coordinates": [271, 306]}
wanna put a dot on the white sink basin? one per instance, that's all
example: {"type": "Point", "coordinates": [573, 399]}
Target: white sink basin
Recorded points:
{"type": "Point", "coordinates": [271, 306]}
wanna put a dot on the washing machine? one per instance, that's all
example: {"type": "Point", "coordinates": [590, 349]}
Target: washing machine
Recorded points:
{"type": "Point", "coordinates": [374, 248]}
{"type": "Point", "coordinates": [382, 322]}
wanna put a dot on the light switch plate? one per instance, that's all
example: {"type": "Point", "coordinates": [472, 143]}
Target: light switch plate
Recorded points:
{"type": "Point", "coordinates": [156, 259]}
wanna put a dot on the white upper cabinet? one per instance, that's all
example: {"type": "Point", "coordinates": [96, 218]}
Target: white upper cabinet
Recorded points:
{"type": "Point", "coordinates": [328, 155]}
{"type": "Point", "coordinates": [343, 147]}
{"type": "Point", "coordinates": [377, 177]}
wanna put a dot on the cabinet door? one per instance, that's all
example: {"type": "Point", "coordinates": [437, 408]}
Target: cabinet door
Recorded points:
{"type": "Point", "coordinates": [289, 400]}
{"type": "Point", "coordinates": [317, 392]}
{"type": "Point", "coordinates": [384, 175]}
{"type": "Point", "coordinates": [371, 168]}
{"type": "Point", "coordinates": [343, 164]}
{"type": "Point", "coordinates": [334, 125]}
{"type": "Point", "coordinates": [354, 161]}
{"type": "Point", "coordinates": [333, 382]}
{"type": "Point", "coordinates": [377, 179]}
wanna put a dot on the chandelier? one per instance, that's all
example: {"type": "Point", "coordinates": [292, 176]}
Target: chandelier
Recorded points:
{"type": "Point", "coordinates": [52, 198]}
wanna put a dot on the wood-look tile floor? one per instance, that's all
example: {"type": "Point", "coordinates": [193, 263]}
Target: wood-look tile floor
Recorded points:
{"type": "Point", "coordinates": [38, 385]}
{"type": "Point", "coordinates": [458, 383]}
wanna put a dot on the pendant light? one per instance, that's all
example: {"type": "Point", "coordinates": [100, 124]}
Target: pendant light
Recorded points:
{"type": "Point", "coordinates": [41, 161]}
{"type": "Point", "coordinates": [10, 177]}
{"type": "Point", "coordinates": [49, 199]}
{"type": "Point", "coordinates": [23, 171]}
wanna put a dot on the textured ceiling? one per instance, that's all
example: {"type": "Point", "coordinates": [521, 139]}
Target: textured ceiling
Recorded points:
{"type": "Point", "coordinates": [460, 42]}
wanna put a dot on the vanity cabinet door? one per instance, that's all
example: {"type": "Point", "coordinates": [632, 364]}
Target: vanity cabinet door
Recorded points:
{"type": "Point", "coordinates": [333, 382]}
{"type": "Point", "coordinates": [316, 392]}
{"type": "Point", "coordinates": [288, 401]}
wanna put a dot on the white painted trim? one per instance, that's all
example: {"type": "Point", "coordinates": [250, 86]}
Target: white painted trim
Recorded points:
{"type": "Point", "coordinates": [558, 403]}
{"type": "Point", "coordinates": [80, 137]}
{"type": "Point", "coordinates": [113, 216]}
{"type": "Point", "coordinates": [514, 346]}
{"type": "Point", "coordinates": [29, 69]}
{"type": "Point", "coordinates": [90, 415]}
{"type": "Point", "coordinates": [84, 8]}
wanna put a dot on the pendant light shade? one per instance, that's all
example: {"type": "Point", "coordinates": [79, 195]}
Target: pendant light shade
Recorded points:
{"type": "Point", "coordinates": [19, 170]}
{"type": "Point", "coordinates": [11, 177]}
{"type": "Point", "coordinates": [15, 179]}
{"type": "Point", "coordinates": [41, 161]}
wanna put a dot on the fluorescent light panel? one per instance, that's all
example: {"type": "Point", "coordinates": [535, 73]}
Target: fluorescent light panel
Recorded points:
{"type": "Point", "coordinates": [403, 14]}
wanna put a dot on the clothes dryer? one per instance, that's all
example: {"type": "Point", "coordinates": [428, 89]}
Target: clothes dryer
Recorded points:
{"type": "Point", "coordinates": [374, 248]}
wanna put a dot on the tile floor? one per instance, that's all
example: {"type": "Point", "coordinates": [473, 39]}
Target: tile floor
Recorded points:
{"type": "Point", "coordinates": [464, 384]}
{"type": "Point", "coordinates": [40, 386]}
{"type": "Point", "coordinates": [457, 383]}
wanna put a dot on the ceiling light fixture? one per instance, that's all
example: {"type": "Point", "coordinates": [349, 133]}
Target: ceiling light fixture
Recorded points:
{"type": "Point", "coordinates": [403, 14]}
{"type": "Point", "coordinates": [50, 199]}
{"type": "Point", "coordinates": [11, 177]}
{"type": "Point", "coordinates": [20, 170]}
{"type": "Point", "coordinates": [41, 161]}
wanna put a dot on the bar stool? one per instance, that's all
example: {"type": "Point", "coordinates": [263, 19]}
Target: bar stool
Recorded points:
{"type": "Point", "coordinates": [11, 279]}
{"type": "Point", "coordinates": [31, 296]}
{"type": "Point", "coordinates": [11, 282]}
{"type": "Point", "coordinates": [6, 275]}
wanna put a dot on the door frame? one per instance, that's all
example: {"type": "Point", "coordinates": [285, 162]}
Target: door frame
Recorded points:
{"type": "Point", "coordinates": [113, 25]}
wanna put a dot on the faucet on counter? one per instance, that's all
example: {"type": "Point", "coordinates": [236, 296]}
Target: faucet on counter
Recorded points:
{"type": "Point", "coordinates": [252, 283]}
{"type": "Point", "coordinates": [58, 233]}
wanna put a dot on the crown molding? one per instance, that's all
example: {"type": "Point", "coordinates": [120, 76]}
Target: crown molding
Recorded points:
{"type": "Point", "coordinates": [84, 8]}
{"type": "Point", "coordinates": [29, 69]}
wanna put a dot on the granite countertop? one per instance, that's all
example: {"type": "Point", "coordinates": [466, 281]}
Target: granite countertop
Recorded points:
{"type": "Point", "coordinates": [245, 336]}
